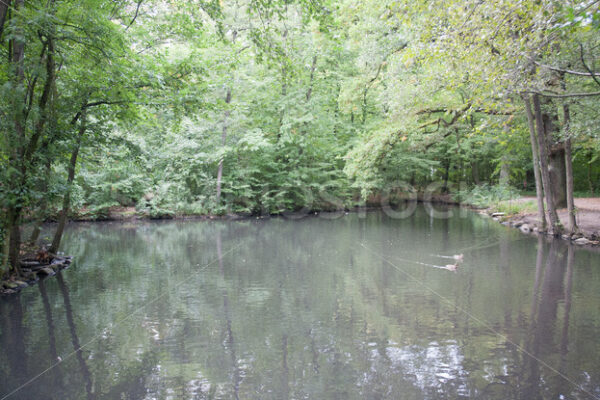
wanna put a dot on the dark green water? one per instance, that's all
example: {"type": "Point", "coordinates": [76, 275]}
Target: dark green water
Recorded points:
{"type": "Point", "coordinates": [307, 309]}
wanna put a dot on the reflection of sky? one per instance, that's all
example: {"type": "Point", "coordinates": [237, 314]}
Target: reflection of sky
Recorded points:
{"type": "Point", "coordinates": [334, 303]}
{"type": "Point", "coordinates": [429, 367]}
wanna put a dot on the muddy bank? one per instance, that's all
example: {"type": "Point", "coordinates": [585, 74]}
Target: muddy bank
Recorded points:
{"type": "Point", "coordinates": [33, 269]}
{"type": "Point", "coordinates": [588, 223]}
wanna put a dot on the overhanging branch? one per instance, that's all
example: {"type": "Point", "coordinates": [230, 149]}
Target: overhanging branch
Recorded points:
{"type": "Point", "coordinates": [563, 95]}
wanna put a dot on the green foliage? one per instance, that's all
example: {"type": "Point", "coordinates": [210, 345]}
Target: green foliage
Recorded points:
{"type": "Point", "coordinates": [484, 196]}
{"type": "Point", "coordinates": [516, 207]}
{"type": "Point", "coordinates": [304, 105]}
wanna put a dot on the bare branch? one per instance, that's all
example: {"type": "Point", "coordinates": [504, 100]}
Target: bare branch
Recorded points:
{"type": "Point", "coordinates": [588, 69]}
{"type": "Point", "coordinates": [137, 10]}
{"type": "Point", "coordinates": [563, 95]}
{"type": "Point", "coordinates": [565, 71]}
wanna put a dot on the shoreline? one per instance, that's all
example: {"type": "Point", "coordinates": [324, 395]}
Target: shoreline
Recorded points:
{"type": "Point", "coordinates": [526, 222]}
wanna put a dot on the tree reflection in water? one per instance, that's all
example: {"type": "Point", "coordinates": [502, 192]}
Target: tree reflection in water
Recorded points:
{"type": "Point", "coordinates": [299, 310]}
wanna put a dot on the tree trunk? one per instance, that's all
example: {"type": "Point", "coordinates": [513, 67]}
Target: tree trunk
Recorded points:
{"type": "Point", "coordinates": [14, 241]}
{"type": "Point", "coordinates": [35, 233]}
{"type": "Point", "coordinates": [44, 101]}
{"type": "Point", "coordinates": [336, 111]}
{"type": "Point", "coordinates": [475, 172]}
{"type": "Point", "coordinates": [504, 179]}
{"type": "Point", "coordinates": [4, 267]}
{"type": "Point", "coordinates": [62, 220]}
{"type": "Point", "coordinates": [556, 156]}
{"type": "Point", "coordinates": [539, 191]}
{"type": "Point", "coordinates": [556, 165]}
{"type": "Point", "coordinates": [17, 156]}
{"type": "Point", "coordinates": [23, 153]}
{"type": "Point", "coordinates": [312, 78]}
{"type": "Point", "coordinates": [569, 170]}
{"type": "Point", "coordinates": [4, 6]}
{"type": "Point", "coordinates": [589, 177]}
{"type": "Point", "coordinates": [446, 175]}
{"type": "Point", "coordinates": [364, 107]}
{"type": "Point", "coordinates": [223, 141]}
{"type": "Point", "coordinates": [545, 173]}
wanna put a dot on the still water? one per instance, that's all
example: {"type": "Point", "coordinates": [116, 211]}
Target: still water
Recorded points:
{"type": "Point", "coordinates": [351, 307]}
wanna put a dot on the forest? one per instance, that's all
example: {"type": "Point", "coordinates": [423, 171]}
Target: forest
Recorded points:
{"type": "Point", "coordinates": [167, 108]}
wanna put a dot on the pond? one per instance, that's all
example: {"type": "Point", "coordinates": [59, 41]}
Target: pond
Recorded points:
{"type": "Point", "coordinates": [336, 306]}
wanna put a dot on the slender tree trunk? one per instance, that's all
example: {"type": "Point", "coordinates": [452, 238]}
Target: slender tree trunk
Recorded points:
{"type": "Point", "coordinates": [4, 267]}
{"type": "Point", "coordinates": [589, 178]}
{"type": "Point", "coordinates": [44, 102]}
{"type": "Point", "coordinates": [545, 173]}
{"type": "Point", "coordinates": [504, 172]}
{"type": "Point", "coordinates": [224, 132]}
{"type": "Point", "coordinates": [475, 172]}
{"type": "Point", "coordinates": [539, 190]}
{"type": "Point", "coordinates": [62, 220]}
{"type": "Point", "coordinates": [37, 228]}
{"type": "Point", "coordinates": [312, 78]}
{"type": "Point", "coordinates": [336, 110]}
{"type": "Point", "coordinates": [23, 153]}
{"type": "Point", "coordinates": [17, 155]}
{"type": "Point", "coordinates": [364, 107]}
{"type": "Point", "coordinates": [569, 170]}
{"type": "Point", "coordinates": [458, 153]}
{"type": "Point", "coordinates": [446, 175]}
{"type": "Point", "coordinates": [223, 141]}
{"type": "Point", "coordinates": [14, 241]}
{"type": "Point", "coordinates": [4, 6]}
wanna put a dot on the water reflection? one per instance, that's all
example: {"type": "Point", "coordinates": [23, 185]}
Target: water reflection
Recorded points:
{"type": "Point", "coordinates": [13, 344]}
{"type": "Point", "coordinates": [52, 352]}
{"type": "Point", "coordinates": [83, 368]}
{"type": "Point", "coordinates": [300, 310]}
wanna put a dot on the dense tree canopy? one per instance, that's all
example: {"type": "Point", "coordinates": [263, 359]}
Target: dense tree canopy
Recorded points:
{"type": "Point", "coordinates": [213, 107]}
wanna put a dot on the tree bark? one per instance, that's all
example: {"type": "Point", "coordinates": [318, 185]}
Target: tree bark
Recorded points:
{"type": "Point", "coordinates": [224, 131]}
{"type": "Point", "coordinates": [556, 156]}
{"type": "Point", "coordinates": [589, 177]}
{"type": "Point", "coordinates": [539, 190]}
{"type": "Point", "coordinates": [35, 233]}
{"type": "Point", "coordinates": [504, 179]}
{"type": "Point", "coordinates": [14, 240]}
{"type": "Point", "coordinates": [4, 6]}
{"type": "Point", "coordinates": [555, 228]}
{"type": "Point", "coordinates": [23, 150]}
{"type": "Point", "coordinates": [312, 78]}
{"type": "Point", "coordinates": [17, 155]}
{"type": "Point", "coordinates": [475, 172]}
{"type": "Point", "coordinates": [223, 141]}
{"type": "Point", "coordinates": [43, 102]}
{"type": "Point", "coordinates": [446, 175]}
{"type": "Point", "coordinates": [556, 166]}
{"type": "Point", "coordinates": [569, 170]}
{"type": "Point", "coordinates": [4, 267]}
{"type": "Point", "coordinates": [62, 220]}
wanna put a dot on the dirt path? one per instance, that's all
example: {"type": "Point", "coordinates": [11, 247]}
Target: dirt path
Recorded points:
{"type": "Point", "coordinates": [588, 215]}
